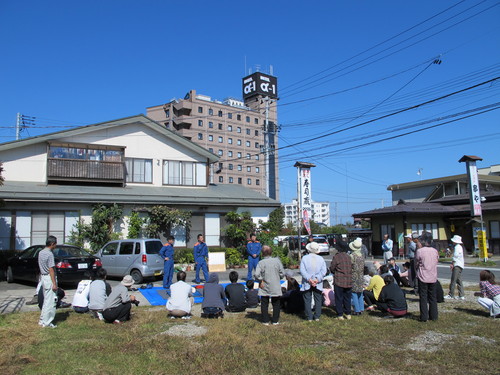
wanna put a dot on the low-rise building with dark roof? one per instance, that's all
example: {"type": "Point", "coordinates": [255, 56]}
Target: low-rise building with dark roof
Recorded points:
{"type": "Point", "coordinates": [52, 181]}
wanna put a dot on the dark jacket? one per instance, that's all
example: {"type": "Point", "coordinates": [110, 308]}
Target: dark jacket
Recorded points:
{"type": "Point", "coordinates": [394, 297]}
{"type": "Point", "coordinates": [235, 294]}
{"type": "Point", "coordinates": [213, 293]}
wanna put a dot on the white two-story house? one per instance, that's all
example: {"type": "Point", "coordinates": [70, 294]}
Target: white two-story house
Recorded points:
{"type": "Point", "coordinates": [53, 180]}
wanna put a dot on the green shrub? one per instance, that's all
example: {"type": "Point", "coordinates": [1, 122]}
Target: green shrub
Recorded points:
{"type": "Point", "coordinates": [233, 257]}
{"type": "Point", "coordinates": [183, 255]}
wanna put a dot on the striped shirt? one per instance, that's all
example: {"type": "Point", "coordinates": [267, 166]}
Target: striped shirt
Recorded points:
{"type": "Point", "coordinates": [45, 260]}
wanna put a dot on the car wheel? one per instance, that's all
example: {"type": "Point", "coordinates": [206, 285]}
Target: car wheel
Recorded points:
{"type": "Point", "coordinates": [10, 275]}
{"type": "Point", "coordinates": [137, 276]}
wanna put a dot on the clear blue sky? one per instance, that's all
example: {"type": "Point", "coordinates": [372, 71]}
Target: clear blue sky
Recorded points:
{"type": "Point", "coordinates": [75, 63]}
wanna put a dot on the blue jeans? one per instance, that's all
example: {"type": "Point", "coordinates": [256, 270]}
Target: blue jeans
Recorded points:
{"type": "Point", "coordinates": [357, 301]}
{"type": "Point", "coordinates": [201, 264]}
{"type": "Point", "coordinates": [252, 265]}
{"type": "Point", "coordinates": [308, 295]}
{"type": "Point", "coordinates": [168, 273]}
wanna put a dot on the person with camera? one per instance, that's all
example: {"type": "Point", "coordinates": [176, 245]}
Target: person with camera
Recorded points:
{"type": "Point", "coordinates": [119, 303]}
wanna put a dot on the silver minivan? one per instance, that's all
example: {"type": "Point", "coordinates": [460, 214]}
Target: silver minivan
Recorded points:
{"type": "Point", "coordinates": [136, 257]}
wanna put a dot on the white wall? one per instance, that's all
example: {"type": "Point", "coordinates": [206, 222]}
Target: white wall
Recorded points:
{"type": "Point", "coordinates": [258, 213]}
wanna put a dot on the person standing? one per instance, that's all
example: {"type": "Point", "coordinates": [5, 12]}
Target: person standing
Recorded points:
{"type": "Point", "coordinates": [48, 283]}
{"type": "Point", "coordinates": [254, 248]}
{"type": "Point", "coordinates": [341, 267]}
{"type": "Point", "coordinates": [412, 250]}
{"type": "Point", "coordinates": [167, 253]}
{"type": "Point", "coordinates": [313, 270]}
{"type": "Point", "coordinates": [358, 266]}
{"type": "Point", "coordinates": [426, 261]}
{"type": "Point", "coordinates": [269, 272]}
{"type": "Point", "coordinates": [457, 266]}
{"type": "Point", "coordinates": [200, 252]}
{"type": "Point", "coordinates": [387, 245]}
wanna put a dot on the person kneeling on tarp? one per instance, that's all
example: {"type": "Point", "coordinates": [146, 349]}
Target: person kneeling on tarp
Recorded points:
{"type": "Point", "coordinates": [181, 298]}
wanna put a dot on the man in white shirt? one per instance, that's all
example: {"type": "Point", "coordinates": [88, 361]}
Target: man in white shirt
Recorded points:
{"type": "Point", "coordinates": [457, 265]}
{"type": "Point", "coordinates": [387, 245]}
{"type": "Point", "coordinates": [48, 283]}
{"type": "Point", "coordinates": [81, 297]}
{"type": "Point", "coordinates": [181, 298]}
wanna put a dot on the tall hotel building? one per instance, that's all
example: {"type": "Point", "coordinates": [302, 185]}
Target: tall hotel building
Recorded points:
{"type": "Point", "coordinates": [241, 132]}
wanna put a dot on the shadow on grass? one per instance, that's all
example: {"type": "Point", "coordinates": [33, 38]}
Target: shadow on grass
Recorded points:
{"type": "Point", "coordinates": [253, 315]}
{"type": "Point", "coordinates": [474, 312]}
{"type": "Point", "coordinates": [61, 316]}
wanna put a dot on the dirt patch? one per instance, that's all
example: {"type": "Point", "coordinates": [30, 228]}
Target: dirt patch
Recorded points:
{"type": "Point", "coordinates": [429, 341]}
{"type": "Point", "coordinates": [185, 330]}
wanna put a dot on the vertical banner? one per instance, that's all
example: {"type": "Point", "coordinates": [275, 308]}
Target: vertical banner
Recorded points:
{"type": "Point", "coordinates": [475, 197]}
{"type": "Point", "coordinates": [305, 196]}
{"type": "Point", "coordinates": [482, 244]}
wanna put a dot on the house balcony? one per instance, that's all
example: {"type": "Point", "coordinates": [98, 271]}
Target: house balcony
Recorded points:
{"type": "Point", "coordinates": [71, 170]}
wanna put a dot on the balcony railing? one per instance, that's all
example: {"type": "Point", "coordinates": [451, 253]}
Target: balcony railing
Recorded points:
{"type": "Point", "coordinates": [85, 170]}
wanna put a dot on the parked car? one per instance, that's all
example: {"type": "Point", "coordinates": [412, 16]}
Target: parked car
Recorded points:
{"type": "Point", "coordinates": [71, 263]}
{"type": "Point", "coordinates": [334, 238]}
{"type": "Point", "coordinates": [324, 247]}
{"type": "Point", "coordinates": [292, 242]}
{"type": "Point", "coordinates": [136, 257]}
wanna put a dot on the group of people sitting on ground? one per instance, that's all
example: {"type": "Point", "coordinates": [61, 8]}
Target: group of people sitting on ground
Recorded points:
{"type": "Point", "coordinates": [95, 296]}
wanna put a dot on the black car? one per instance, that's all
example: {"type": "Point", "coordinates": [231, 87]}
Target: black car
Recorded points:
{"type": "Point", "coordinates": [71, 263]}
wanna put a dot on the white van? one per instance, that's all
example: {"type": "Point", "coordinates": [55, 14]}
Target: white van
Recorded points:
{"type": "Point", "coordinates": [136, 257]}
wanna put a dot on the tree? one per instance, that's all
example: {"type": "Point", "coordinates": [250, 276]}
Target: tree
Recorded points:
{"type": "Point", "coordinates": [135, 223]}
{"type": "Point", "coordinates": [239, 228]}
{"type": "Point", "coordinates": [162, 219]}
{"type": "Point", "coordinates": [101, 228]}
{"type": "Point", "coordinates": [275, 223]}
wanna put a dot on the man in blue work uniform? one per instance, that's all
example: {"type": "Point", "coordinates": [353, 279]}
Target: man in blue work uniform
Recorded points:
{"type": "Point", "coordinates": [253, 249]}
{"type": "Point", "coordinates": [200, 252]}
{"type": "Point", "coordinates": [167, 253]}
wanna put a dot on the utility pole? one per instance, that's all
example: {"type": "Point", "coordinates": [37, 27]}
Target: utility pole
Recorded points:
{"type": "Point", "coordinates": [21, 123]}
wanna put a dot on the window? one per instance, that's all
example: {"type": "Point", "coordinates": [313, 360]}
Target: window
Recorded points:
{"type": "Point", "coordinates": [229, 128]}
{"type": "Point", "coordinates": [249, 169]}
{"type": "Point", "coordinates": [428, 227]}
{"type": "Point", "coordinates": [256, 121]}
{"type": "Point", "coordinates": [239, 180]}
{"type": "Point", "coordinates": [247, 119]}
{"type": "Point", "coordinates": [238, 142]}
{"type": "Point", "coordinates": [494, 229]}
{"type": "Point", "coordinates": [167, 113]}
{"type": "Point", "coordinates": [238, 129]}
{"type": "Point", "coordinates": [221, 153]}
{"type": "Point", "coordinates": [221, 179]}
{"type": "Point", "coordinates": [211, 149]}
{"type": "Point", "coordinates": [200, 109]}
{"type": "Point", "coordinates": [126, 248]}
{"type": "Point", "coordinates": [249, 181]}
{"type": "Point", "coordinates": [110, 249]}
{"type": "Point", "coordinates": [247, 143]}
{"type": "Point", "coordinates": [229, 115]}
{"type": "Point", "coordinates": [139, 170]}
{"type": "Point", "coordinates": [184, 173]}
{"type": "Point", "coordinates": [230, 167]}
{"type": "Point", "coordinates": [257, 157]}
{"type": "Point", "coordinates": [230, 180]}
{"type": "Point", "coordinates": [249, 156]}
{"type": "Point", "coordinates": [220, 126]}
{"type": "Point", "coordinates": [210, 137]}
{"type": "Point", "coordinates": [230, 141]}
{"type": "Point", "coordinates": [239, 167]}
{"type": "Point", "coordinates": [257, 145]}
{"type": "Point", "coordinates": [221, 139]}
{"type": "Point", "coordinates": [256, 133]}
{"type": "Point", "coordinates": [239, 155]}
{"type": "Point", "coordinates": [387, 229]}
{"type": "Point", "coordinates": [200, 136]}
{"type": "Point", "coordinates": [230, 154]}
{"type": "Point", "coordinates": [257, 182]}
{"type": "Point", "coordinates": [200, 122]}
{"type": "Point", "coordinates": [248, 131]}
{"type": "Point", "coordinates": [210, 111]}
{"type": "Point", "coordinates": [219, 113]}
{"type": "Point", "coordinates": [238, 117]}
{"type": "Point", "coordinates": [257, 169]}
{"type": "Point", "coordinates": [210, 124]}
{"type": "Point", "coordinates": [221, 165]}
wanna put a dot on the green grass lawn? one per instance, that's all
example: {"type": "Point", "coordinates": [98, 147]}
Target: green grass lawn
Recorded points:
{"type": "Point", "coordinates": [463, 340]}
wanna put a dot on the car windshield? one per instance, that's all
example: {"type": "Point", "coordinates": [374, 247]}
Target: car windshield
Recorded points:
{"type": "Point", "coordinates": [70, 251]}
{"type": "Point", "coordinates": [153, 247]}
